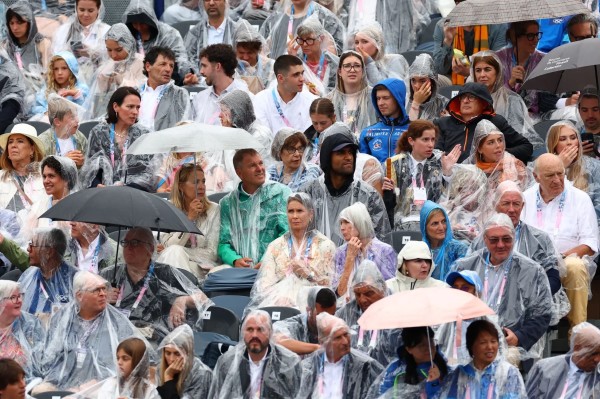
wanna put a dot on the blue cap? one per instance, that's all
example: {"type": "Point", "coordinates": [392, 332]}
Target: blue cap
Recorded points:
{"type": "Point", "coordinates": [469, 276]}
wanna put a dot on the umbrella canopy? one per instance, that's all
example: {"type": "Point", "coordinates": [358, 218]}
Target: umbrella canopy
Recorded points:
{"type": "Point", "coordinates": [569, 67]}
{"type": "Point", "coordinates": [193, 137]}
{"type": "Point", "coordinates": [423, 307]}
{"type": "Point", "coordinates": [121, 206]}
{"type": "Point", "coordinates": [489, 12]}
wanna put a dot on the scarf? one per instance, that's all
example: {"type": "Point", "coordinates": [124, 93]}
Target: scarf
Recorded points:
{"type": "Point", "coordinates": [480, 43]}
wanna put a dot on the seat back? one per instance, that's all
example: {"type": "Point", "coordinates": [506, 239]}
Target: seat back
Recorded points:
{"type": "Point", "coordinates": [280, 312]}
{"type": "Point", "coordinates": [223, 321]}
{"type": "Point", "coordinates": [184, 27]}
{"type": "Point", "coordinates": [235, 303]}
{"type": "Point", "coordinates": [53, 395]}
{"type": "Point", "coordinates": [398, 239]}
{"type": "Point", "coordinates": [86, 127]}
{"type": "Point", "coordinates": [229, 281]}
{"type": "Point", "coordinates": [411, 55]}
{"type": "Point", "coordinates": [449, 91]}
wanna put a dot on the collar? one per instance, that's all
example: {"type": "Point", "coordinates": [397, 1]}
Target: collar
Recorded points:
{"type": "Point", "coordinates": [573, 367]}
{"type": "Point", "coordinates": [553, 199]}
{"type": "Point", "coordinates": [281, 101]}
{"type": "Point", "coordinates": [148, 89]}
{"type": "Point", "coordinates": [225, 91]}
{"type": "Point", "coordinates": [415, 162]}
{"type": "Point", "coordinates": [221, 27]}
{"type": "Point", "coordinates": [91, 246]}
{"type": "Point", "coordinates": [335, 364]}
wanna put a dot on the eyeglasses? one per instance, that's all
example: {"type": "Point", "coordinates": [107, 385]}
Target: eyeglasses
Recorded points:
{"type": "Point", "coordinates": [349, 67]}
{"type": "Point", "coordinates": [533, 36]}
{"type": "Point", "coordinates": [496, 240]}
{"type": "Point", "coordinates": [310, 41]}
{"type": "Point", "coordinates": [133, 243]}
{"type": "Point", "coordinates": [579, 38]}
{"type": "Point", "coordinates": [30, 244]}
{"type": "Point", "coordinates": [15, 298]}
{"type": "Point", "coordinates": [293, 150]}
{"type": "Point", "coordinates": [98, 290]}
{"type": "Point", "coordinates": [468, 97]}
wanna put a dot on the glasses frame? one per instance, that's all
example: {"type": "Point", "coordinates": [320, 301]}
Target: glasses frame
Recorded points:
{"type": "Point", "coordinates": [135, 243]}
{"type": "Point", "coordinates": [310, 41]}
{"type": "Point", "coordinates": [350, 67]}
{"type": "Point", "coordinates": [532, 36]}
{"type": "Point", "coordinates": [15, 298]}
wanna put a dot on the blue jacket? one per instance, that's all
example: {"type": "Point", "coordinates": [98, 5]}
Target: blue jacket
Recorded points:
{"type": "Point", "coordinates": [380, 139]}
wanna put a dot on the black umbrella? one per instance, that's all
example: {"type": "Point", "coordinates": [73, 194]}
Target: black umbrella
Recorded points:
{"type": "Point", "coordinates": [567, 68]}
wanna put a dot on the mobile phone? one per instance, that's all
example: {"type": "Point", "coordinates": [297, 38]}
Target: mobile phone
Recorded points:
{"type": "Point", "coordinates": [587, 137]}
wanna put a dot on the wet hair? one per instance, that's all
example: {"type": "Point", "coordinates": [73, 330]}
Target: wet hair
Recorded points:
{"type": "Point", "coordinates": [325, 298]}
{"type": "Point", "coordinates": [517, 29]}
{"type": "Point", "coordinates": [415, 130]}
{"type": "Point", "coordinates": [575, 20]}
{"type": "Point", "coordinates": [10, 14]}
{"type": "Point", "coordinates": [54, 238]}
{"type": "Point", "coordinates": [153, 54]}
{"type": "Point", "coordinates": [119, 97]}
{"type": "Point", "coordinates": [283, 63]}
{"type": "Point", "coordinates": [11, 372]}
{"type": "Point", "coordinates": [54, 164]}
{"type": "Point", "coordinates": [412, 337]}
{"type": "Point", "coordinates": [98, 2]}
{"type": "Point", "coordinates": [322, 106]}
{"type": "Point", "coordinates": [476, 328]}
{"type": "Point", "coordinates": [239, 155]}
{"type": "Point", "coordinates": [181, 177]}
{"type": "Point", "coordinates": [221, 54]}
{"type": "Point", "coordinates": [250, 46]}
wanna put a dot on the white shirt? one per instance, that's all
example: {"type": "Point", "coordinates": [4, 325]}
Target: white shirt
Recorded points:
{"type": "Point", "coordinates": [578, 223]}
{"type": "Point", "coordinates": [149, 105]}
{"type": "Point", "coordinates": [256, 371]}
{"type": "Point", "coordinates": [333, 379]}
{"type": "Point", "coordinates": [65, 145]}
{"type": "Point", "coordinates": [87, 261]}
{"type": "Point", "coordinates": [296, 111]}
{"type": "Point", "coordinates": [205, 105]}
{"type": "Point", "coordinates": [215, 35]}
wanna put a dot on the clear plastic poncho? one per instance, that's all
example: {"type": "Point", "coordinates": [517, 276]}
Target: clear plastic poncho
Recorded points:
{"type": "Point", "coordinates": [12, 85]}
{"type": "Point", "coordinates": [379, 344]}
{"type": "Point", "coordinates": [383, 65]}
{"type": "Point", "coordinates": [260, 75]}
{"type": "Point", "coordinates": [101, 249]}
{"type": "Point", "coordinates": [283, 279]}
{"type": "Point", "coordinates": [508, 103]}
{"type": "Point", "coordinates": [557, 377]}
{"type": "Point", "coordinates": [281, 371]}
{"type": "Point", "coordinates": [196, 38]}
{"type": "Point", "coordinates": [21, 334]}
{"type": "Point", "coordinates": [195, 379]}
{"type": "Point", "coordinates": [359, 370]}
{"type": "Point", "coordinates": [436, 104]}
{"type": "Point", "coordinates": [278, 31]}
{"type": "Point", "coordinates": [402, 22]}
{"type": "Point", "coordinates": [111, 74]}
{"type": "Point", "coordinates": [116, 166]}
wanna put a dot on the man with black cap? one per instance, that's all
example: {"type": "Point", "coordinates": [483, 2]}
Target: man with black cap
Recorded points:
{"type": "Point", "coordinates": [336, 189]}
{"type": "Point", "coordinates": [588, 107]}
{"type": "Point", "coordinates": [472, 104]}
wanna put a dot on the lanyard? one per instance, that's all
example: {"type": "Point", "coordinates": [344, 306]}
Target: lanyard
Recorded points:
{"type": "Point", "coordinates": [306, 250]}
{"type": "Point", "coordinates": [559, 215]}
{"type": "Point", "coordinates": [564, 391]}
{"type": "Point", "coordinates": [414, 181]}
{"type": "Point", "coordinates": [94, 267]}
{"type": "Point", "coordinates": [320, 70]}
{"type": "Point", "coordinates": [490, 393]}
{"type": "Point", "coordinates": [279, 110]}
{"type": "Point", "coordinates": [112, 146]}
{"type": "Point", "coordinates": [487, 294]}
{"type": "Point", "coordinates": [311, 9]}
{"type": "Point", "coordinates": [160, 96]}
{"type": "Point", "coordinates": [18, 57]}
{"type": "Point", "coordinates": [321, 378]}
{"type": "Point", "coordinates": [372, 341]}
{"type": "Point", "coordinates": [87, 333]}
{"type": "Point", "coordinates": [140, 45]}
{"type": "Point", "coordinates": [294, 176]}
{"type": "Point", "coordinates": [171, 176]}
{"type": "Point", "coordinates": [57, 146]}
{"type": "Point", "coordinates": [142, 291]}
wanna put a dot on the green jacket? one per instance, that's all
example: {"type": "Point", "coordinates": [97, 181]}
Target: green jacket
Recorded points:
{"type": "Point", "coordinates": [49, 140]}
{"type": "Point", "coordinates": [16, 256]}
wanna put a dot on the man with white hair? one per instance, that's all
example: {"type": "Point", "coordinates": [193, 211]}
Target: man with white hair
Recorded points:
{"type": "Point", "coordinates": [514, 286]}
{"type": "Point", "coordinates": [567, 214]}
{"type": "Point", "coordinates": [82, 338]}
{"type": "Point", "coordinates": [573, 375]}
{"type": "Point", "coordinates": [257, 368]}
{"type": "Point", "coordinates": [336, 370]}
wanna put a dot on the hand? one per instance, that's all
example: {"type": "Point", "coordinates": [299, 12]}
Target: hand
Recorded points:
{"type": "Point", "coordinates": [177, 313]}
{"type": "Point", "coordinates": [195, 209]}
{"type": "Point", "coordinates": [354, 247]}
{"type": "Point", "coordinates": [112, 295]}
{"type": "Point", "coordinates": [242, 262]}
{"type": "Point", "coordinates": [517, 74]}
{"type": "Point", "coordinates": [67, 93]}
{"type": "Point", "coordinates": [313, 89]}
{"type": "Point", "coordinates": [449, 33]}
{"type": "Point", "coordinates": [588, 147]}
{"type": "Point", "coordinates": [459, 68]}
{"type": "Point", "coordinates": [190, 79]}
{"type": "Point", "coordinates": [258, 265]}
{"type": "Point", "coordinates": [101, 185]}
{"type": "Point", "coordinates": [388, 184]}
{"type": "Point", "coordinates": [77, 157]}
{"type": "Point", "coordinates": [434, 373]}
{"type": "Point", "coordinates": [160, 248]}
{"type": "Point", "coordinates": [292, 46]}
{"type": "Point", "coordinates": [511, 338]}
{"type": "Point", "coordinates": [363, 53]}
{"type": "Point", "coordinates": [568, 155]}
{"type": "Point", "coordinates": [175, 368]}
{"type": "Point", "coordinates": [422, 95]}
{"type": "Point", "coordinates": [449, 160]}
{"type": "Point", "coordinates": [299, 269]}
{"type": "Point", "coordinates": [573, 99]}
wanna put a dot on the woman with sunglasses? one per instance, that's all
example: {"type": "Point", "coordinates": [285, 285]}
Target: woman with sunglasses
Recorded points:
{"type": "Point", "coordinates": [21, 334]}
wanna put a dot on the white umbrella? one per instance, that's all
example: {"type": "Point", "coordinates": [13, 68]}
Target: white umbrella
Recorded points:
{"type": "Point", "coordinates": [193, 137]}
{"type": "Point", "coordinates": [489, 12]}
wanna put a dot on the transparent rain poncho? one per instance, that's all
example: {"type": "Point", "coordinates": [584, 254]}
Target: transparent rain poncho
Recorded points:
{"type": "Point", "coordinates": [71, 139]}
{"type": "Point", "coordinates": [359, 370]}
{"type": "Point", "coordinates": [260, 75]}
{"type": "Point", "coordinates": [12, 85]}
{"type": "Point", "coordinates": [153, 302]}
{"type": "Point", "coordinates": [305, 172]}
{"type": "Point", "coordinates": [508, 103]}
{"type": "Point", "coordinates": [21, 334]}
{"type": "Point", "coordinates": [283, 279]}
{"type": "Point", "coordinates": [379, 344]}
{"type": "Point", "coordinates": [281, 371]}
{"type": "Point", "coordinates": [111, 74]}
{"type": "Point", "coordinates": [85, 42]}
{"type": "Point", "coordinates": [281, 26]}
{"type": "Point", "coordinates": [250, 223]}
{"type": "Point", "coordinates": [101, 249]}
{"type": "Point", "coordinates": [195, 378]}
{"type": "Point", "coordinates": [423, 66]}
{"type": "Point", "coordinates": [47, 295]}
{"type": "Point", "coordinates": [369, 170]}
{"type": "Point", "coordinates": [382, 65]}
{"type": "Point", "coordinates": [79, 351]}
{"type": "Point", "coordinates": [382, 254]}
{"type": "Point", "coordinates": [356, 109]}
{"type": "Point", "coordinates": [464, 201]}
{"type": "Point", "coordinates": [402, 22]}
{"type": "Point", "coordinates": [561, 376]}
{"type": "Point", "coordinates": [135, 385]}
{"type": "Point", "coordinates": [31, 57]}
{"type": "Point", "coordinates": [518, 291]}
{"type": "Point", "coordinates": [116, 165]}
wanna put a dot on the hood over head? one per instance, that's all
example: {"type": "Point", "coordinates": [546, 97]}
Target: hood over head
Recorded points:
{"type": "Point", "coordinates": [398, 89]}
{"type": "Point", "coordinates": [478, 90]}
{"type": "Point", "coordinates": [140, 11]}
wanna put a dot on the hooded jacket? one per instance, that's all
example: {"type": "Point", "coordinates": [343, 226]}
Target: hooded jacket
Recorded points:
{"type": "Point", "coordinates": [380, 139]}
{"type": "Point", "coordinates": [435, 105]}
{"type": "Point", "coordinates": [455, 130]}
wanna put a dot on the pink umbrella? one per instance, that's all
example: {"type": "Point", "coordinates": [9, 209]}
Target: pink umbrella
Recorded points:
{"type": "Point", "coordinates": [423, 307]}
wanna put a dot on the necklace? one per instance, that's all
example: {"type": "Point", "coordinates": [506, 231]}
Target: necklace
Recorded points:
{"type": "Point", "coordinates": [121, 135]}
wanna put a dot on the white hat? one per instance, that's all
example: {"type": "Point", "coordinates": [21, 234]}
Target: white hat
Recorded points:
{"type": "Point", "coordinates": [26, 130]}
{"type": "Point", "coordinates": [414, 250]}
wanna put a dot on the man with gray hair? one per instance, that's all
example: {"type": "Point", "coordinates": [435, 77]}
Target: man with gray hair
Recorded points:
{"type": "Point", "coordinates": [336, 370]}
{"type": "Point", "coordinates": [257, 368]}
{"type": "Point", "coordinates": [582, 26]}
